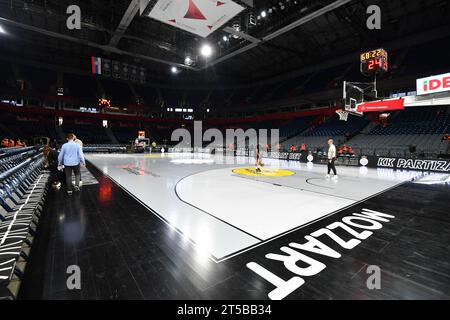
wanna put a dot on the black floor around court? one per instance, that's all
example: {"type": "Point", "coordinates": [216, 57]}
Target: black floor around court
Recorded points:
{"type": "Point", "coordinates": [125, 252]}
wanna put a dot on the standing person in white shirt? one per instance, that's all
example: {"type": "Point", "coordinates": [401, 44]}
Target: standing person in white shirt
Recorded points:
{"type": "Point", "coordinates": [331, 158]}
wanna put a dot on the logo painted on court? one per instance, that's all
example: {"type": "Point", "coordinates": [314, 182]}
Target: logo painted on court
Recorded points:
{"type": "Point", "coordinates": [264, 172]}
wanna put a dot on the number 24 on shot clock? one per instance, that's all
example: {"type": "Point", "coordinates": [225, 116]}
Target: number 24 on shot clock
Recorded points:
{"type": "Point", "coordinates": [374, 62]}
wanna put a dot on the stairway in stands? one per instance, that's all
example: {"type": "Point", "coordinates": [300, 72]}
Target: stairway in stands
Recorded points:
{"type": "Point", "coordinates": [61, 134]}
{"type": "Point", "coordinates": [111, 136]}
{"type": "Point", "coordinates": [6, 133]}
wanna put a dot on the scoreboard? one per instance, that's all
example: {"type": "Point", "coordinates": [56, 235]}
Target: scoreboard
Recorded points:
{"type": "Point", "coordinates": [374, 62]}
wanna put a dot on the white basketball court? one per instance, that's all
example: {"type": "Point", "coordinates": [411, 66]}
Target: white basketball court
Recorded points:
{"type": "Point", "coordinates": [226, 213]}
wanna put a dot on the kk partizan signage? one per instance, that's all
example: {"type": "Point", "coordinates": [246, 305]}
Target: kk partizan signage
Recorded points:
{"type": "Point", "coordinates": [409, 164]}
{"type": "Point", "coordinates": [201, 17]}
{"type": "Point", "coordinates": [434, 84]}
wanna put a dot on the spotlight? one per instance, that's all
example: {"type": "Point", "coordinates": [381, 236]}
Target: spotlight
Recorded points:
{"type": "Point", "coordinates": [174, 69]}
{"type": "Point", "coordinates": [2, 30]}
{"type": "Point", "coordinates": [263, 14]}
{"type": "Point", "coordinates": [206, 50]}
{"type": "Point", "coordinates": [225, 38]}
{"type": "Point", "coordinates": [237, 27]}
{"type": "Point", "coordinates": [188, 61]}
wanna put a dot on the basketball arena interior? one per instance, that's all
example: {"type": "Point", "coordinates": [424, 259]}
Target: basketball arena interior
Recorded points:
{"type": "Point", "coordinates": [268, 150]}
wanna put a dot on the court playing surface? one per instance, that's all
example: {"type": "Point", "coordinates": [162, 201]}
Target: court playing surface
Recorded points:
{"type": "Point", "coordinates": [222, 206]}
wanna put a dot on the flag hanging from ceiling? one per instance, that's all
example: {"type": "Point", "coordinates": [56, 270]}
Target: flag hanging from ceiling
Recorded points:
{"type": "Point", "coordinates": [200, 17]}
{"type": "Point", "coordinates": [96, 65]}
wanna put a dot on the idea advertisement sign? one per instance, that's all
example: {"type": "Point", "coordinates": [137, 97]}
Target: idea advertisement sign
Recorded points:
{"type": "Point", "coordinates": [434, 84]}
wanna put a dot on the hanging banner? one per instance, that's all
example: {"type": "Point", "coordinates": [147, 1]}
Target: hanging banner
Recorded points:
{"type": "Point", "coordinates": [200, 17]}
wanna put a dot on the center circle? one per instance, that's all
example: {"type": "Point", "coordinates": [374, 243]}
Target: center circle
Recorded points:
{"type": "Point", "coordinates": [264, 172]}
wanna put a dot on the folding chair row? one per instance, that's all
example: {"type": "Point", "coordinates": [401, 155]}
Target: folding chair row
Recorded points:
{"type": "Point", "coordinates": [15, 150]}
{"type": "Point", "coordinates": [9, 162]}
{"type": "Point", "coordinates": [22, 197]}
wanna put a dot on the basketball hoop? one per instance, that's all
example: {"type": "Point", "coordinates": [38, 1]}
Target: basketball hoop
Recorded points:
{"type": "Point", "coordinates": [343, 115]}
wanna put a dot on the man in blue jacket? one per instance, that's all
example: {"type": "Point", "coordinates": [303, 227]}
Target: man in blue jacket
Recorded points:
{"type": "Point", "coordinates": [71, 156]}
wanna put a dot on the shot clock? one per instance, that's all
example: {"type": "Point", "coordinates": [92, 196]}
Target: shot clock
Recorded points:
{"type": "Point", "coordinates": [374, 62]}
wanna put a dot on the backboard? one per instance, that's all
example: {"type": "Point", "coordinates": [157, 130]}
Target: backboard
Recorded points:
{"type": "Point", "coordinates": [356, 93]}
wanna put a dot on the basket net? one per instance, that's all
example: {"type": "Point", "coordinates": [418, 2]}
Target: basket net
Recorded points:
{"type": "Point", "coordinates": [343, 115]}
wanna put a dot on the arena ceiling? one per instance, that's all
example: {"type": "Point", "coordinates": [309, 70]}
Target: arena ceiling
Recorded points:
{"type": "Point", "coordinates": [294, 34]}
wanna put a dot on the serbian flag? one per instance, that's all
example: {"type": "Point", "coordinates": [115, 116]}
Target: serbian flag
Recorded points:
{"type": "Point", "coordinates": [96, 65]}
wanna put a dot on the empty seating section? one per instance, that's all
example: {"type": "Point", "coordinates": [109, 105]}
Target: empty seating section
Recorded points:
{"type": "Point", "coordinates": [117, 92]}
{"type": "Point", "coordinates": [32, 129]}
{"type": "Point", "coordinates": [423, 53]}
{"type": "Point", "coordinates": [7, 78]}
{"type": "Point", "coordinates": [316, 137]}
{"type": "Point", "coordinates": [421, 120]}
{"type": "Point", "coordinates": [238, 97]}
{"type": "Point", "coordinates": [6, 132]}
{"type": "Point", "coordinates": [335, 127]}
{"type": "Point", "coordinates": [172, 98]}
{"type": "Point", "coordinates": [159, 133]}
{"type": "Point", "coordinates": [23, 190]}
{"type": "Point", "coordinates": [88, 133]}
{"type": "Point", "coordinates": [40, 80]}
{"type": "Point", "coordinates": [125, 134]}
{"type": "Point", "coordinates": [148, 94]}
{"type": "Point", "coordinates": [421, 127]}
{"type": "Point", "coordinates": [323, 80]}
{"type": "Point", "coordinates": [195, 98]}
{"type": "Point", "coordinates": [295, 127]}
{"type": "Point", "coordinates": [398, 145]}
{"type": "Point", "coordinates": [215, 98]}
{"type": "Point", "coordinates": [287, 88]}
{"type": "Point", "coordinates": [81, 86]}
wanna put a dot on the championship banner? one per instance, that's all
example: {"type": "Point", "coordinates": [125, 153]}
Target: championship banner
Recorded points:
{"type": "Point", "coordinates": [200, 17]}
{"type": "Point", "coordinates": [125, 71]}
{"type": "Point", "coordinates": [142, 75]}
{"type": "Point", "coordinates": [409, 164]}
{"type": "Point", "coordinates": [134, 73]}
{"type": "Point", "coordinates": [116, 69]}
{"type": "Point", "coordinates": [382, 105]}
{"type": "Point", "coordinates": [106, 67]}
